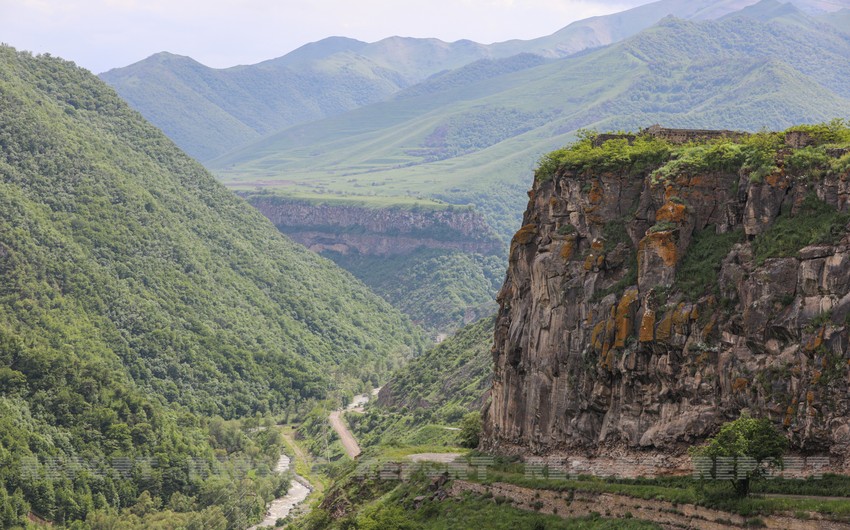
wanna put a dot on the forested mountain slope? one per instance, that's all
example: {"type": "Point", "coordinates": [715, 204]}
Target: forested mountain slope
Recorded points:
{"type": "Point", "coordinates": [136, 292]}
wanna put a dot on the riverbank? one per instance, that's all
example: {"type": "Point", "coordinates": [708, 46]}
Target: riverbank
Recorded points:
{"type": "Point", "coordinates": [280, 508]}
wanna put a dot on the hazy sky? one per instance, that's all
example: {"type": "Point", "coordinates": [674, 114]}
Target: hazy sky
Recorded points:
{"type": "Point", "coordinates": [104, 34]}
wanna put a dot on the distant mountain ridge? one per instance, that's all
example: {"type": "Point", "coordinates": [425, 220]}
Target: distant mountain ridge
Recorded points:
{"type": "Point", "coordinates": [769, 65]}
{"type": "Point", "coordinates": [208, 112]}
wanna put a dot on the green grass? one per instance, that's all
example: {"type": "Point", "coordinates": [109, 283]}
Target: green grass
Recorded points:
{"type": "Point", "coordinates": [476, 512]}
{"type": "Point", "coordinates": [698, 269]}
{"type": "Point", "coordinates": [685, 490]}
{"type": "Point", "coordinates": [815, 223]}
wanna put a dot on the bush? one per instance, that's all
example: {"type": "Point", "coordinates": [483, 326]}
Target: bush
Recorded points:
{"type": "Point", "coordinates": [750, 438]}
{"type": "Point", "coordinates": [470, 430]}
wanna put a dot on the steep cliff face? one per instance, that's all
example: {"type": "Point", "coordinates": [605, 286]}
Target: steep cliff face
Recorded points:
{"type": "Point", "coordinates": [377, 231]}
{"type": "Point", "coordinates": [644, 306]}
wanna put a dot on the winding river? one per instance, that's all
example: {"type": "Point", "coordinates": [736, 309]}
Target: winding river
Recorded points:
{"type": "Point", "coordinates": [299, 489]}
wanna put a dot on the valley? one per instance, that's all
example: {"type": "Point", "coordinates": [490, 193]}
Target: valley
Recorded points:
{"type": "Point", "coordinates": [594, 279]}
{"type": "Point", "coordinates": [467, 137]}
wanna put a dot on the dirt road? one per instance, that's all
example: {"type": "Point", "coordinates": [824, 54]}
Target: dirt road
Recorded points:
{"type": "Point", "coordinates": [349, 443]}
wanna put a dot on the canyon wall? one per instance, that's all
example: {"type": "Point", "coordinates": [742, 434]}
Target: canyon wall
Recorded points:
{"type": "Point", "coordinates": [607, 344]}
{"type": "Point", "coordinates": [377, 231]}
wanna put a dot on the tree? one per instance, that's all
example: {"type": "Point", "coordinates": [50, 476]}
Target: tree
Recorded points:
{"type": "Point", "coordinates": [470, 430]}
{"type": "Point", "coordinates": [744, 450]}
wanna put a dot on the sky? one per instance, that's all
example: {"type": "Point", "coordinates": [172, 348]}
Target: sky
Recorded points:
{"type": "Point", "coordinates": [104, 34]}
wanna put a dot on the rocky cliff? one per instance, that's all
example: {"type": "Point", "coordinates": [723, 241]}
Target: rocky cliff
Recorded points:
{"type": "Point", "coordinates": [656, 291]}
{"type": "Point", "coordinates": [377, 231]}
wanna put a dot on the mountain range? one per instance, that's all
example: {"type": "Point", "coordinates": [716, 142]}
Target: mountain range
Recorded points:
{"type": "Point", "coordinates": [464, 123]}
{"type": "Point", "coordinates": [769, 65]}
{"type": "Point", "coordinates": [209, 111]}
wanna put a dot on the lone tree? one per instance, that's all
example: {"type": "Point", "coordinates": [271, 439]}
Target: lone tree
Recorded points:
{"type": "Point", "coordinates": [744, 450]}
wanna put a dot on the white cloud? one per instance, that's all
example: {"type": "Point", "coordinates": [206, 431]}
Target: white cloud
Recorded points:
{"type": "Point", "coordinates": [102, 34]}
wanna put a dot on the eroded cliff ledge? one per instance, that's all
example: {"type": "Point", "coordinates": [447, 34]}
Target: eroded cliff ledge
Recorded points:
{"type": "Point", "coordinates": [377, 231]}
{"type": "Point", "coordinates": [657, 290]}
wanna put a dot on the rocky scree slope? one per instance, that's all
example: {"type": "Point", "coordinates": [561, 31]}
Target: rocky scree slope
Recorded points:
{"type": "Point", "coordinates": [656, 290]}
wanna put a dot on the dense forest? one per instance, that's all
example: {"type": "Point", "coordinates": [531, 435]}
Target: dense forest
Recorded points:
{"type": "Point", "coordinates": [141, 304]}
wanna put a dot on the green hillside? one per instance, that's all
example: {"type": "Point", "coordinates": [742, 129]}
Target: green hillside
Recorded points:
{"type": "Point", "coordinates": [439, 289]}
{"type": "Point", "coordinates": [208, 111]}
{"type": "Point", "coordinates": [742, 72]}
{"type": "Point", "coordinates": [138, 296]}
{"type": "Point", "coordinates": [426, 401]}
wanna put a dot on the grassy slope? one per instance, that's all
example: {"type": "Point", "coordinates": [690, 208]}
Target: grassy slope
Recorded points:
{"type": "Point", "coordinates": [737, 73]}
{"type": "Point", "coordinates": [137, 293]}
{"type": "Point", "coordinates": [208, 111]}
{"type": "Point", "coordinates": [432, 392]}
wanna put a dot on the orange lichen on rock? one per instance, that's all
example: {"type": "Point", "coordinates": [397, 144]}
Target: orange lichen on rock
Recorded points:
{"type": "Point", "coordinates": [568, 249]}
{"type": "Point", "coordinates": [789, 413]}
{"type": "Point", "coordinates": [739, 384]}
{"type": "Point", "coordinates": [594, 196]}
{"type": "Point", "coordinates": [709, 327]}
{"type": "Point", "coordinates": [665, 328]}
{"type": "Point", "coordinates": [526, 234]}
{"type": "Point", "coordinates": [647, 326]}
{"type": "Point", "coordinates": [816, 341]}
{"type": "Point", "coordinates": [775, 180]}
{"type": "Point", "coordinates": [682, 314]}
{"type": "Point", "coordinates": [597, 336]}
{"type": "Point", "coordinates": [663, 245]}
{"type": "Point", "coordinates": [623, 317]}
{"type": "Point", "coordinates": [672, 212]}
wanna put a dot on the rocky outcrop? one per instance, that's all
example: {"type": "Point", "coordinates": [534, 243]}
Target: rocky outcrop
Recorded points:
{"type": "Point", "coordinates": [599, 349]}
{"type": "Point", "coordinates": [377, 231]}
